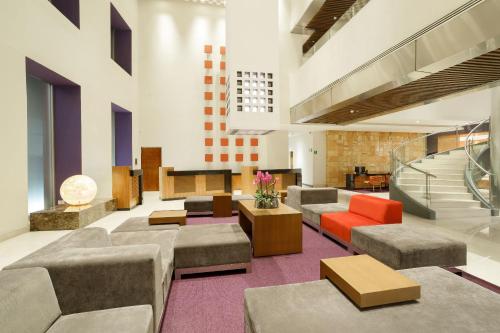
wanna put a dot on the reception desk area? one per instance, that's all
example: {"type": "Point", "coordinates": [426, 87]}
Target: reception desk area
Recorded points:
{"type": "Point", "coordinates": [355, 181]}
{"type": "Point", "coordinates": [127, 187]}
{"type": "Point", "coordinates": [182, 184]}
{"type": "Point", "coordinates": [287, 177]}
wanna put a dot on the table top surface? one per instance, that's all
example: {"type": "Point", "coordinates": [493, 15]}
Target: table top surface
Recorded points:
{"type": "Point", "coordinates": [368, 275]}
{"type": "Point", "coordinates": [222, 195]}
{"type": "Point", "coordinates": [281, 210]}
{"type": "Point", "coordinates": [168, 213]}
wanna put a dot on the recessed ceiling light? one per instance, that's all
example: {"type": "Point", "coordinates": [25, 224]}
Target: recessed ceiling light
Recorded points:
{"type": "Point", "coordinates": [352, 111]}
{"type": "Point", "coordinates": [220, 3]}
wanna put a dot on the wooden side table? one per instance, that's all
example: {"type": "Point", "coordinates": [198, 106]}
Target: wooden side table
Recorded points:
{"type": "Point", "coordinates": [283, 195]}
{"type": "Point", "coordinates": [223, 205]}
{"type": "Point", "coordinates": [168, 217]}
{"type": "Point", "coordinates": [368, 282]}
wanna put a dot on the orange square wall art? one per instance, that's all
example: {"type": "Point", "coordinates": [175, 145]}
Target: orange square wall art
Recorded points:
{"type": "Point", "coordinates": [222, 50]}
{"type": "Point", "coordinates": [209, 95]}
{"type": "Point", "coordinates": [224, 157]}
{"type": "Point", "coordinates": [209, 158]}
{"type": "Point", "coordinates": [222, 111]}
{"type": "Point", "coordinates": [254, 157]}
{"type": "Point", "coordinates": [254, 142]}
{"type": "Point", "coordinates": [222, 65]}
{"type": "Point", "coordinates": [209, 126]}
{"type": "Point", "coordinates": [222, 80]}
{"type": "Point", "coordinates": [239, 142]}
{"type": "Point", "coordinates": [222, 126]}
{"type": "Point", "coordinates": [209, 142]}
{"type": "Point", "coordinates": [208, 111]}
{"type": "Point", "coordinates": [239, 157]}
{"type": "Point", "coordinates": [208, 64]}
{"type": "Point", "coordinates": [224, 142]}
{"type": "Point", "coordinates": [208, 79]}
{"type": "Point", "coordinates": [208, 49]}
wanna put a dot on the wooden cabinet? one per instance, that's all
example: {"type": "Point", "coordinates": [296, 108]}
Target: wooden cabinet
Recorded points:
{"type": "Point", "coordinates": [127, 187]}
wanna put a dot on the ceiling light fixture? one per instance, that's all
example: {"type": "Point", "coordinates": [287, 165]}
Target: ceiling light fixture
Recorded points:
{"type": "Point", "coordinates": [220, 3]}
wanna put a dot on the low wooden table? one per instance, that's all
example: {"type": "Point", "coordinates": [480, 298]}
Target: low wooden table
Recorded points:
{"type": "Point", "coordinates": [272, 231]}
{"type": "Point", "coordinates": [283, 195]}
{"type": "Point", "coordinates": [222, 205]}
{"type": "Point", "coordinates": [368, 282]}
{"type": "Point", "coordinates": [168, 217]}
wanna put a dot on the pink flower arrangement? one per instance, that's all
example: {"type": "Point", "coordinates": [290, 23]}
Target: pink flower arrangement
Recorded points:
{"type": "Point", "coordinates": [266, 196]}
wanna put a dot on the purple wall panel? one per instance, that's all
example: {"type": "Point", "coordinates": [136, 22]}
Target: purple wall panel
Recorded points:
{"type": "Point", "coordinates": [70, 9]}
{"type": "Point", "coordinates": [67, 134]}
{"type": "Point", "coordinates": [123, 136]}
{"type": "Point", "coordinates": [123, 40]}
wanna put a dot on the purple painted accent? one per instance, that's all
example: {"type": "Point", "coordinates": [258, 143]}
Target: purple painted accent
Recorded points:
{"type": "Point", "coordinates": [214, 302]}
{"type": "Point", "coordinates": [67, 122]}
{"type": "Point", "coordinates": [123, 136]}
{"type": "Point", "coordinates": [122, 41]}
{"type": "Point", "coordinates": [70, 9]}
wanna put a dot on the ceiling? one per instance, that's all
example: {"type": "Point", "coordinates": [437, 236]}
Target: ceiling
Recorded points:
{"type": "Point", "coordinates": [328, 14]}
{"type": "Point", "coordinates": [220, 3]}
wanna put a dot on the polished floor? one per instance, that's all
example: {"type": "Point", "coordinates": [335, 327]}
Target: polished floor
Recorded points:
{"type": "Point", "coordinates": [482, 235]}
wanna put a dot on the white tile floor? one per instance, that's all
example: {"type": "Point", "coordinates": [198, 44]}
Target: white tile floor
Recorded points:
{"type": "Point", "coordinates": [482, 235]}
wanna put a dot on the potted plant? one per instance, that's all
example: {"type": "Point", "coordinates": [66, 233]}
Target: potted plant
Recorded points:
{"type": "Point", "coordinates": [266, 197]}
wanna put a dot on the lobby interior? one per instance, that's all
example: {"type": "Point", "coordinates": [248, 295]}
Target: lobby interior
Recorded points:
{"type": "Point", "coordinates": [250, 166]}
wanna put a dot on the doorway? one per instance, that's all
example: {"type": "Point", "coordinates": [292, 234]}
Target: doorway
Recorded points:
{"type": "Point", "coordinates": [151, 163]}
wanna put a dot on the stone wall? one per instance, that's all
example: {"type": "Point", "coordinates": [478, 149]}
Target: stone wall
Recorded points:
{"type": "Point", "coordinates": [372, 150]}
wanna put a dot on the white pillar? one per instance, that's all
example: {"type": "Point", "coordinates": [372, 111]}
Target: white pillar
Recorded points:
{"type": "Point", "coordinates": [495, 146]}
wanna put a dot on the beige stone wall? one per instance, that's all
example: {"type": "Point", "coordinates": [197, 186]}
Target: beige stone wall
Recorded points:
{"type": "Point", "coordinates": [370, 149]}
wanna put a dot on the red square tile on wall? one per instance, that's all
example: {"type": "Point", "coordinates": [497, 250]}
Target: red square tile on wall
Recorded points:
{"type": "Point", "coordinates": [222, 126]}
{"type": "Point", "coordinates": [208, 64]}
{"type": "Point", "coordinates": [209, 158]}
{"type": "Point", "coordinates": [239, 142]}
{"type": "Point", "coordinates": [254, 142]}
{"type": "Point", "coordinates": [208, 79]}
{"type": "Point", "coordinates": [224, 157]}
{"type": "Point", "coordinates": [239, 157]}
{"type": "Point", "coordinates": [207, 49]}
{"type": "Point", "coordinates": [222, 50]}
{"type": "Point", "coordinates": [209, 142]}
{"type": "Point", "coordinates": [222, 80]}
{"type": "Point", "coordinates": [209, 96]}
{"type": "Point", "coordinates": [222, 65]}
{"type": "Point", "coordinates": [209, 126]}
{"type": "Point", "coordinates": [224, 142]}
{"type": "Point", "coordinates": [222, 96]}
{"type": "Point", "coordinates": [254, 157]}
{"type": "Point", "coordinates": [208, 111]}
{"type": "Point", "coordinates": [222, 111]}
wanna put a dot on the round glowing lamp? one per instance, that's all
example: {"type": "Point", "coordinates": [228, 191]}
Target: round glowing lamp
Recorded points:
{"type": "Point", "coordinates": [78, 190]}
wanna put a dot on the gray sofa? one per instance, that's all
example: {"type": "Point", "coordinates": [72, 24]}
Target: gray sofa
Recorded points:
{"type": "Point", "coordinates": [204, 204]}
{"type": "Point", "coordinates": [28, 304]}
{"type": "Point", "coordinates": [448, 304]}
{"type": "Point", "coordinates": [92, 270]}
{"type": "Point", "coordinates": [313, 202]}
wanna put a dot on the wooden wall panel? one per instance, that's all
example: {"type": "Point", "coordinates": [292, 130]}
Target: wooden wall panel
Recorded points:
{"type": "Point", "coordinates": [345, 150]}
{"type": "Point", "coordinates": [215, 182]}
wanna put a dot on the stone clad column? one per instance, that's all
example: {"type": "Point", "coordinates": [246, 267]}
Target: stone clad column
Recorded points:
{"type": "Point", "coordinates": [495, 146]}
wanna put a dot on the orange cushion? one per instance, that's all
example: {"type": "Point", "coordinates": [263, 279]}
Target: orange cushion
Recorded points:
{"type": "Point", "coordinates": [340, 223]}
{"type": "Point", "coordinates": [381, 210]}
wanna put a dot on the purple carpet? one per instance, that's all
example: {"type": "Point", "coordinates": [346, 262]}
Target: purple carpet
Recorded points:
{"type": "Point", "coordinates": [214, 303]}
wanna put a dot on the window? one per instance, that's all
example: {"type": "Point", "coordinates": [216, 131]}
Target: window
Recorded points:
{"type": "Point", "coordinates": [121, 41]}
{"type": "Point", "coordinates": [70, 9]}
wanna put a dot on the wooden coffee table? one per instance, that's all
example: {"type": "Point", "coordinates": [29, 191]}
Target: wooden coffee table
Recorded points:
{"type": "Point", "coordinates": [168, 217]}
{"type": "Point", "coordinates": [272, 231]}
{"type": "Point", "coordinates": [223, 205]}
{"type": "Point", "coordinates": [368, 282]}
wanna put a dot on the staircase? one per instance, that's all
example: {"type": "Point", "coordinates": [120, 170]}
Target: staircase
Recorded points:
{"type": "Point", "coordinates": [449, 197]}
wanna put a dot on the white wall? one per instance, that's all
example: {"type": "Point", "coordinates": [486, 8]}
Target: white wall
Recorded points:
{"type": "Point", "coordinates": [378, 26]}
{"type": "Point", "coordinates": [309, 154]}
{"type": "Point", "coordinates": [36, 29]}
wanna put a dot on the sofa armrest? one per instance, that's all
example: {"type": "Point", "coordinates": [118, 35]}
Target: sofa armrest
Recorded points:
{"type": "Point", "coordinates": [88, 279]}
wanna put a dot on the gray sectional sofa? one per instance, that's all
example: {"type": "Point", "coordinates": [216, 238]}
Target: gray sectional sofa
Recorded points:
{"type": "Point", "coordinates": [204, 204]}
{"type": "Point", "coordinates": [28, 304]}
{"type": "Point", "coordinates": [448, 304]}
{"type": "Point", "coordinates": [92, 270]}
{"type": "Point", "coordinates": [313, 202]}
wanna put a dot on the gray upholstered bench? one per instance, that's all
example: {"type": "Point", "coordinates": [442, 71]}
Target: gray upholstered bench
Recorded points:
{"type": "Point", "coordinates": [401, 246]}
{"type": "Point", "coordinates": [142, 224]}
{"type": "Point", "coordinates": [210, 248]}
{"type": "Point", "coordinates": [448, 304]}
{"type": "Point", "coordinates": [203, 204]}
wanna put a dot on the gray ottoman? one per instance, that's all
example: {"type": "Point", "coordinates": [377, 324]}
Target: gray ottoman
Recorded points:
{"type": "Point", "coordinates": [400, 246]}
{"type": "Point", "coordinates": [203, 204]}
{"type": "Point", "coordinates": [448, 304]}
{"type": "Point", "coordinates": [311, 214]}
{"type": "Point", "coordinates": [210, 248]}
{"type": "Point", "coordinates": [142, 224]}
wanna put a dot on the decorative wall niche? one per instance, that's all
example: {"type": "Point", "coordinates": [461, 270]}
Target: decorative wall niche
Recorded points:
{"type": "Point", "coordinates": [121, 41]}
{"type": "Point", "coordinates": [70, 9]}
{"type": "Point", "coordinates": [254, 91]}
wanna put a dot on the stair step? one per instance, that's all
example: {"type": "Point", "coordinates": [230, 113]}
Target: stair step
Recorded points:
{"type": "Point", "coordinates": [440, 175]}
{"type": "Point", "coordinates": [458, 152]}
{"type": "Point", "coordinates": [441, 195]}
{"type": "Point", "coordinates": [451, 157]}
{"type": "Point", "coordinates": [442, 203]}
{"type": "Point", "coordinates": [433, 181]}
{"type": "Point", "coordinates": [440, 170]}
{"type": "Point", "coordinates": [444, 213]}
{"type": "Point", "coordinates": [434, 188]}
{"type": "Point", "coordinates": [440, 164]}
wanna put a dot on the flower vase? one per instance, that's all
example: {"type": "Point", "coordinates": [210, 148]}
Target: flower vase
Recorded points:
{"type": "Point", "coordinates": [274, 203]}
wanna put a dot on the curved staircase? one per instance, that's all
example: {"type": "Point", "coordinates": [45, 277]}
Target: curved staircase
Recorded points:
{"type": "Point", "coordinates": [449, 196]}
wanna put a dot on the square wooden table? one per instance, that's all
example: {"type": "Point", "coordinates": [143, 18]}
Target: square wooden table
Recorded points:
{"type": "Point", "coordinates": [168, 217]}
{"type": "Point", "coordinates": [223, 205]}
{"type": "Point", "coordinates": [271, 231]}
{"type": "Point", "coordinates": [368, 282]}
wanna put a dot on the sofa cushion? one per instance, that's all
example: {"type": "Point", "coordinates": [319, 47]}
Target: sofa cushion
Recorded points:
{"type": "Point", "coordinates": [28, 303]}
{"type": "Point", "coordinates": [378, 209]}
{"type": "Point", "coordinates": [202, 203]}
{"type": "Point", "coordinates": [133, 319]}
{"type": "Point", "coordinates": [340, 224]}
{"type": "Point", "coordinates": [312, 213]}
{"type": "Point", "coordinates": [401, 246]}
{"type": "Point", "coordinates": [142, 224]}
{"type": "Point", "coordinates": [448, 304]}
{"type": "Point", "coordinates": [298, 196]}
{"type": "Point", "coordinates": [211, 244]}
